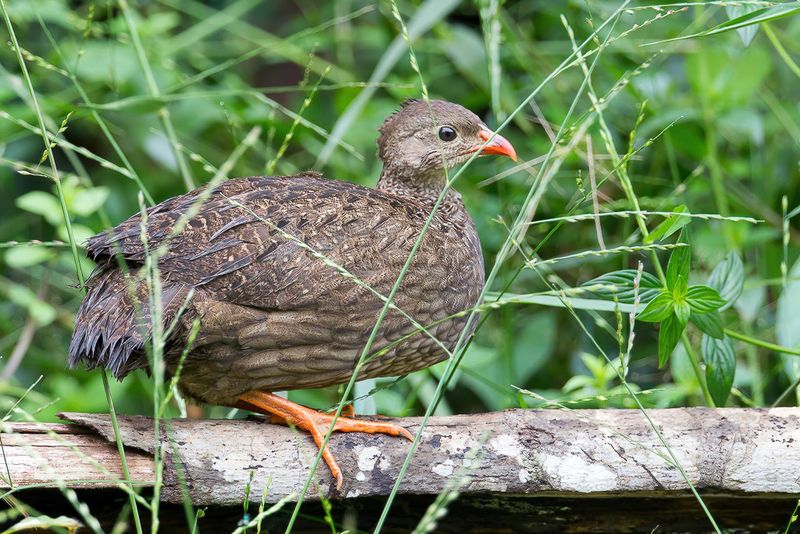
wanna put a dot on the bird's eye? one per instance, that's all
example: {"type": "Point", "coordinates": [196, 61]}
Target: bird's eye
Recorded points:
{"type": "Point", "coordinates": [446, 133]}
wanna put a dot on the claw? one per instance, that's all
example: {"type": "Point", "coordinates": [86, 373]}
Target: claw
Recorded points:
{"type": "Point", "coordinates": [285, 411]}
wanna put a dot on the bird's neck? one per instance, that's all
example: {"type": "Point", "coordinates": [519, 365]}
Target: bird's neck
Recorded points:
{"type": "Point", "coordinates": [425, 189]}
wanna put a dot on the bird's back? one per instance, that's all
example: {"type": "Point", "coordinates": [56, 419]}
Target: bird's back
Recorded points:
{"type": "Point", "coordinates": [285, 275]}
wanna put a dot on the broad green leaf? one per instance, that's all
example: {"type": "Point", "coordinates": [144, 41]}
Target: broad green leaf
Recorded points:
{"type": "Point", "coordinates": [682, 311]}
{"type": "Point", "coordinates": [621, 286]}
{"type": "Point", "coordinates": [41, 203]}
{"type": "Point", "coordinates": [41, 312]}
{"type": "Point", "coordinates": [21, 257]}
{"type": "Point", "coordinates": [658, 309]}
{"type": "Point", "coordinates": [486, 369]}
{"type": "Point", "coordinates": [49, 10]}
{"type": "Point", "coordinates": [741, 125]}
{"type": "Point", "coordinates": [533, 344]}
{"type": "Point", "coordinates": [720, 367]}
{"type": "Point", "coordinates": [107, 61]}
{"type": "Point", "coordinates": [87, 201]}
{"type": "Point", "coordinates": [746, 33]}
{"type": "Point", "coordinates": [465, 48]}
{"type": "Point", "coordinates": [680, 288]}
{"type": "Point", "coordinates": [671, 330]}
{"type": "Point", "coordinates": [750, 303]}
{"type": "Point", "coordinates": [749, 19]}
{"type": "Point", "coordinates": [595, 364]}
{"type": "Point", "coordinates": [679, 263]}
{"type": "Point", "coordinates": [704, 299]}
{"type": "Point", "coordinates": [670, 225]}
{"type": "Point", "coordinates": [709, 323]}
{"type": "Point", "coordinates": [80, 232]}
{"type": "Point", "coordinates": [389, 402]}
{"type": "Point", "coordinates": [732, 79]}
{"type": "Point", "coordinates": [787, 320]}
{"type": "Point", "coordinates": [481, 374]}
{"type": "Point", "coordinates": [577, 382]}
{"type": "Point", "coordinates": [728, 279]}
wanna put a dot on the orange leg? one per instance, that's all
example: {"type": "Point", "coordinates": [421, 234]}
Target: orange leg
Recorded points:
{"type": "Point", "coordinates": [348, 410]}
{"type": "Point", "coordinates": [316, 423]}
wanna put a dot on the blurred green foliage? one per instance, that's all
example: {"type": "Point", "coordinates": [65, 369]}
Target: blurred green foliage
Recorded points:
{"type": "Point", "coordinates": [719, 135]}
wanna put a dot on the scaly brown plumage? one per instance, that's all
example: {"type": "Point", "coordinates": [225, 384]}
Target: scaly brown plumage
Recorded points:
{"type": "Point", "coordinates": [273, 314]}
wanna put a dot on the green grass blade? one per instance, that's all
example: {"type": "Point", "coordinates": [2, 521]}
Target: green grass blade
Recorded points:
{"type": "Point", "coordinates": [430, 13]}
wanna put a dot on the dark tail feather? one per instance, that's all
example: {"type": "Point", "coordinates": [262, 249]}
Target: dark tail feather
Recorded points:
{"type": "Point", "coordinates": [113, 322]}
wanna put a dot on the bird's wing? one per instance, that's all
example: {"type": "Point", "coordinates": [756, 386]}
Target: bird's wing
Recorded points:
{"type": "Point", "coordinates": [278, 243]}
{"type": "Point", "coordinates": [262, 244]}
{"type": "Point", "coordinates": [274, 263]}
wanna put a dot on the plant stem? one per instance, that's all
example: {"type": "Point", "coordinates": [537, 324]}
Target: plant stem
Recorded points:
{"type": "Point", "coordinates": [697, 371]}
{"type": "Point", "coordinates": [48, 146]}
{"type": "Point", "coordinates": [780, 49]}
{"type": "Point", "coordinates": [712, 153]}
{"type": "Point", "coordinates": [794, 387]}
{"type": "Point", "coordinates": [152, 87]}
{"type": "Point", "coordinates": [753, 362]}
{"type": "Point", "coordinates": [761, 343]}
{"type": "Point", "coordinates": [121, 449]}
{"type": "Point", "coordinates": [630, 194]}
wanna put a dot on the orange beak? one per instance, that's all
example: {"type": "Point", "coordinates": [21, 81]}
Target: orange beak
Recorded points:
{"type": "Point", "coordinates": [498, 145]}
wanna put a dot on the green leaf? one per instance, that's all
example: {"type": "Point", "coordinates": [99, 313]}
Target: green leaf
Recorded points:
{"type": "Point", "coordinates": [720, 367]}
{"type": "Point", "coordinates": [750, 303]}
{"type": "Point", "coordinates": [669, 226]}
{"type": "Point", "coordinates": [756, 17]}
{"type": "Point", "coordinates": [682, 310]}
{"type": "Point", "coordinates": [80, 232]}
{"type": "Point", "coordinates": [560, 301]}
{"type": "Point", "coordinates": [533, 344]}
{"type": "Point", "coordinates": [787, 320]}
{"type": "Point", "coordinates": [482, 368]}
{"type": "Point", "coordinates": [657, 309]}
{"type": "Point", "coordinates": [679, 263]}
{"type": "Point", "coordinates": [680, 288]}
{"type": "Point", "coordinates": [465, 48]}
{"type": "Point", "coordinates": [41, 312]}
{"type": "Point", "coordinates": [20, 257]}
{"type": "Point", "coordinates": [731, 79]}
{"type": "Point", "coordinates": [44, 522]}
{"type": "Point", "coordinates": [728, 279]}
{"type": "Point", "coordinates": [621, 286]}
{"type": "Point", "coordinates": [704, 299]}
{"type": "Point", "coordinates": [747, 33]}
{"type": "Point", "coordinates": [41, 203]}
{"type": "Point", "coordinates": [87, 201]}
{"type": "Point", "coordinates": [671, 330]}
{"type": "Point", "coordinates": [709, 323]}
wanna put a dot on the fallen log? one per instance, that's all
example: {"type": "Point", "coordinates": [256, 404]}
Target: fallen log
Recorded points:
{"type": "Point", "coordinates": [564, 454]}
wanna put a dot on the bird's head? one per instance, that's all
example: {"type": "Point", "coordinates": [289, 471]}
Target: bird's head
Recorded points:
{"type": "Point", "coordinates": [424, 137]}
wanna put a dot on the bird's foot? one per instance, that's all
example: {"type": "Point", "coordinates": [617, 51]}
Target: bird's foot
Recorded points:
{"type": "Point", "coordinates": [285, 411]}
{"type": "Point", "coordinates": [347, 411]}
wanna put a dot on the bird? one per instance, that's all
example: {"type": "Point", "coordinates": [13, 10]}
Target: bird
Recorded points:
{"type": "Point", "coordinates": [286, 277]}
